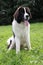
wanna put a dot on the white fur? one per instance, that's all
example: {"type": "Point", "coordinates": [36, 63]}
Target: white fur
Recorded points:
{"type": "Point", "coordinates": [22, 33]}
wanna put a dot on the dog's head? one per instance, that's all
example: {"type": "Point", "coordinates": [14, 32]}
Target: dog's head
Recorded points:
{"type": "Point", "coordinates": [22, 14]}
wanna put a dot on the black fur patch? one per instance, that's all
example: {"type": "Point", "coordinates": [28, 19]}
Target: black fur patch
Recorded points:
{"type": "Point", "coordinates": [20, 15]}
{"type": "Point", "coordinates": [9, 44]}
{"type": "Point", "coordinates": [13, 34]}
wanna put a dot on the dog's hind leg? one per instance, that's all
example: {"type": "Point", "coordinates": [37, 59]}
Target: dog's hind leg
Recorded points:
{"type": "Point", "coordinates": [12, 43]}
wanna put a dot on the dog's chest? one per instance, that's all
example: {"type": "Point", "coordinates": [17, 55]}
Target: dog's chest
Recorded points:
{"type": "Point", "coordinates": [21, 30]}
{"type": "Point", "coordinates": [21, 33]}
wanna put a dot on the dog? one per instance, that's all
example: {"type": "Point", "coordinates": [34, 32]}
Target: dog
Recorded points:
{"type": "Point", "coordinates": [21, 28]}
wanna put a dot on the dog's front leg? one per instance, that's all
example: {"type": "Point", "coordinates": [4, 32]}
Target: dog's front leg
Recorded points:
{"type": "Point", "coordinates": [28, 42]}
{"type": "Point", "coordinates": [28, 38]}
{"type": "Point", "coordinates": [17, 45]}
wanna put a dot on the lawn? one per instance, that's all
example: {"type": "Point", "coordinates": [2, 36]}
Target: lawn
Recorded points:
{"type": "Point", "coordinates": [33, 57]}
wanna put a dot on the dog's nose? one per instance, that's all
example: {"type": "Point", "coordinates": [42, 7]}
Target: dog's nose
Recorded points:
{"type": "Point", "coordinates": [27, 16]}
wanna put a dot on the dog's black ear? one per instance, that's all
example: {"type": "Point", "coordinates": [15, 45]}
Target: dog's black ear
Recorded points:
{"type": "Point", "coordinates": [15, 15]}
{"type": "Point", "coordinates": [18, 15]}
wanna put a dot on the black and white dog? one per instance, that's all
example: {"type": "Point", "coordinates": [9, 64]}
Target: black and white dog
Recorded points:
{"type": "Point", "coordinates": [20, 28]}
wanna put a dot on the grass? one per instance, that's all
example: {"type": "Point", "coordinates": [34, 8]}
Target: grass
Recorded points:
{"type": "Point", "coordinates": [33, 57]}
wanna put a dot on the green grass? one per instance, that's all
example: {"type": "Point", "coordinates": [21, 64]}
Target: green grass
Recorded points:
{"type": "Point", "coordinates": [33, 57]}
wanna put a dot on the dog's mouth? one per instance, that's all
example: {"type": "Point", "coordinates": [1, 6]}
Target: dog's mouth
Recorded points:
{"type": "Point", "coordinates": [26, 22]}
